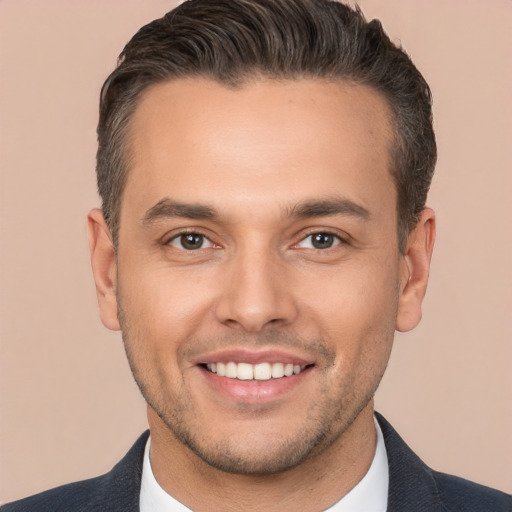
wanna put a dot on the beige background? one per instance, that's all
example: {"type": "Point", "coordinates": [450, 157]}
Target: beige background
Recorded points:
{"type": "Point", "coordinates": [68, 406]}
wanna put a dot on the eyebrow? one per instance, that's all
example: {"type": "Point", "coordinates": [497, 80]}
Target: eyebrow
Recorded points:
{"type": "Point", "coordinates": [329, 207]}
{"type": "Point", "coordinates": [166, 208]}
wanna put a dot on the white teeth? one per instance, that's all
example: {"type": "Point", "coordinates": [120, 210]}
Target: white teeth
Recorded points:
{"type": "Point", "coordinates": [245, 371]}
{"type": "Point", "coordinates": [277, 370]}
{"type": "Point", "coordinates": [261, 371]}
{"type": "Point", "coordinates": [231, 370]}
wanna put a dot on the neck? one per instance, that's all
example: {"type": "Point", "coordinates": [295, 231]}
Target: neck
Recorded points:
{"type": "Point", "coordinates": [315, 484]}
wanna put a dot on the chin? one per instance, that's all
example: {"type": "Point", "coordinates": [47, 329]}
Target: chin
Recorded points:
{"type": "Point", "coordinates": [262, 450]}
{"type": "Point", "coordinates": [256, 456]}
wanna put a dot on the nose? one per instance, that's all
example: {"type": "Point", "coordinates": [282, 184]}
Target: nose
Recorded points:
{"type": "Point", "coordinates": [256, 293]}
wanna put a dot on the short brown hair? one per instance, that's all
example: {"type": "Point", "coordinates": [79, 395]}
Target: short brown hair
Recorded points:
{"type": "Point", "coordinates": [230, 41]}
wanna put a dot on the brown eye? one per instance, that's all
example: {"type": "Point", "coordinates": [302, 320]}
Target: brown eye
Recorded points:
{"type": "Point", "coordinates": [190, 241]}
{"type": "Point", "coordinates": [320, 240]}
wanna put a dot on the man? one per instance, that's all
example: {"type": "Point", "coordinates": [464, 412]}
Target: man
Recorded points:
{"type": "Point", "coordinates": [263, 167]}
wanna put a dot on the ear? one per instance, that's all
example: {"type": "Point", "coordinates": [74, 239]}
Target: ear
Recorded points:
{"type": "Point", "coordinates": [415, 270]}
{"type": "Point", "coordinates": [104, 268]}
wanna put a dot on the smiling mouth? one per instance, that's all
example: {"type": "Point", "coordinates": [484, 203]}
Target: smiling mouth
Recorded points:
{"type": "Point", "coordinates": [260, 371]}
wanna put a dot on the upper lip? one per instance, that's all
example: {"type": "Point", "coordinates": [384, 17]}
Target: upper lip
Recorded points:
{"type": "Point", "coordinates": [254, 357]}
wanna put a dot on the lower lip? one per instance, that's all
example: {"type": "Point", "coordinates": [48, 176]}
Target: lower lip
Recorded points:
{"type": "Point", "coordinates": [255, 391]}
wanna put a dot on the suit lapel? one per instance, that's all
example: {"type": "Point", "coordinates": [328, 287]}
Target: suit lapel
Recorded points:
{"type": "Point", "coordinates": [411, 483]}
{"type": "Point", "coordinates": [120, 489]}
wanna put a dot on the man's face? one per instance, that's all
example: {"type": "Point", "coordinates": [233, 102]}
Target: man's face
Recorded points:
{"type": "Point", "coordinates": [258, 235]}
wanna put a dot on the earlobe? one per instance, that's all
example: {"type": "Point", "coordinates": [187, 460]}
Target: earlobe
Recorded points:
{"type": "Point", "coordinates": [104, 268]}
{"type": "Point", "coordinates": [415, 271]}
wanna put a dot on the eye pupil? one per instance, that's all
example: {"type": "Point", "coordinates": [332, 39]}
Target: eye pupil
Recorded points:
{"type": "Point", "coordinates": [192, 241]}
{"type": "Point", "coordinates": [322, 240]}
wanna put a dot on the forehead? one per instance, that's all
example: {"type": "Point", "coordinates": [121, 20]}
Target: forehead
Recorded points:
{"type": "Point", "coordinates": [277, 140]}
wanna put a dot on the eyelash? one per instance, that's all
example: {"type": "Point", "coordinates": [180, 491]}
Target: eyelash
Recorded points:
{"type": "Point", "coordinates": [336, 240]}
{"type": "Point", "coordinates": [182, 234]}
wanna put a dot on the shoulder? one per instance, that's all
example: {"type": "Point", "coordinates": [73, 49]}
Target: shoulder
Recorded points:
{"type": "Point", "coordinates": [456, 493]}
{"type": "Point", "coordinates": [78, 496]}
{"type": "Point", "coordinates": [415, 486]}
{"type": "Point", "coordinates": [117, 490]}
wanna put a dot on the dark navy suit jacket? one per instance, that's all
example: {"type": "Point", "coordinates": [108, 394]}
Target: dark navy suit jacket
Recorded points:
{"type": "Point", "coordinates": [413, 487]}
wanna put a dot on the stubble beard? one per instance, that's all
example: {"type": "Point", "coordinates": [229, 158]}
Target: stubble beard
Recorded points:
{"type": "Point", "coordinates": [277, 456]}
{"type": "Point", "coordinates": [328, 419]}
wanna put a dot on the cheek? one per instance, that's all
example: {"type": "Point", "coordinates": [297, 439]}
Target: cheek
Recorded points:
{"type": "Point", "coordinates": [355, 310]}
{"type": "Point", "coordinates": [360, 295]}
{"type": "Point", "coordinates": [157, 323]}
{"type": "Point", "coordinates": [167, 299]}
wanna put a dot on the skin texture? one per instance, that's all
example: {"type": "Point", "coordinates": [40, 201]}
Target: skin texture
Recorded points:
{"type": "Point", "coordinates": [256, 172]}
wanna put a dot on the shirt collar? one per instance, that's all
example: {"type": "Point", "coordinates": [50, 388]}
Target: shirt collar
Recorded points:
{"type": "Point", "coordinates": [371, 493]}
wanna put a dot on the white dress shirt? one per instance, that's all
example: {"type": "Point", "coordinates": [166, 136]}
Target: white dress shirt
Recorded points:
{"type": "Point", "coordinates": [369, 495]}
